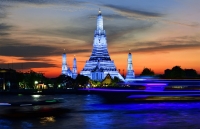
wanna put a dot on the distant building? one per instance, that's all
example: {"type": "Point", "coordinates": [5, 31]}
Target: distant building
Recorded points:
{"type": "Point", "coordinates": [8, 79]}
{"type": "Point", "coordinates": [130, 75]}
{"type": "Point", "coordinates": [107, 80]}
{"type": "Point", "coordinates": [100, 56]}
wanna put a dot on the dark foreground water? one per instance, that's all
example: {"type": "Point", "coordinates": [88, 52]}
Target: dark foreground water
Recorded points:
{"type": "Point", "coordinates": [90, 112]}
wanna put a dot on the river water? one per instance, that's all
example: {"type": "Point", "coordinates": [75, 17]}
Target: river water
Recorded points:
{"type": "Point", "coordinates": [90, 112]}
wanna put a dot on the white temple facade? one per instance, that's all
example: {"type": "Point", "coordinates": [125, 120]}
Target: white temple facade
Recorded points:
{"type": "Point", "coordinates": [97, 73]}
{"type": "Point", "coordinates": [100, 56]}
{"type": "Point", "coordinates": [130, 75]}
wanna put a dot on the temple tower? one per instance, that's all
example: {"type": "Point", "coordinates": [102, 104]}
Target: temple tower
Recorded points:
{"type": "Point", "coordinates": [130, 76]}
{"type": "Point", "coordinates": [64, 63]}
{"type": "Point", "coordinates": [65, 69]}
{"type": "Point", "coordinates": [100, 54]}
{"type": "Point", "coordinates": [74, 70]}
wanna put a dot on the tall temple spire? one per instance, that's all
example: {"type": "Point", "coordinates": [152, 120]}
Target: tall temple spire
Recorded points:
{"type": "Point", "coordinates": [130, 72]}
{"type": "Point", "coordinates": [100, 55]}
{"type": "Point", "coordinates": [100, 22]}
{"type": "Point", "coordinates": [74, 70]}
{"type": "Point", "coordinates": [65, 69]}
{"type": "Point", "coordinates": [64, 64]}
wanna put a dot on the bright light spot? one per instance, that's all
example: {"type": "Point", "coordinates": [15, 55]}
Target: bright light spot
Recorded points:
{"type": "Point", "coordinates": [156, 84]}
{"type": "Point", "coordinates": [4, 104]}
{"type": "Point", "coordinates": [36, 82]}
{"type": "Point", "coordinates": [46, 120]}
{"type": "Point", "coordinates": [35, 96]}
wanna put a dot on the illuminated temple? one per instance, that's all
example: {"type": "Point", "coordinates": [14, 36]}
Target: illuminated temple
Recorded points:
{"type": "Point", "coordinates": [66, 69]}
{"type": "Point", "coordinates": [100, 63]}
{"type": "Point", "coordinates": [130, 75]}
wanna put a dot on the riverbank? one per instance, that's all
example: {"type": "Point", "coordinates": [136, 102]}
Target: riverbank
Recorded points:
{"type": "Point", "coordinates": [39, 92]}
{"type": "Point", "coordinates": [139, 90]}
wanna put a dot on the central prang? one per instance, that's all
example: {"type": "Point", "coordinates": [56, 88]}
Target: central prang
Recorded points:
{"type": "Point", "coordinates": [100, 65]}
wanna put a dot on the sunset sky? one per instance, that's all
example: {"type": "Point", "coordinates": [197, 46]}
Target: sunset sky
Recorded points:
{"type": "Point", "coordinates": [159, 33]}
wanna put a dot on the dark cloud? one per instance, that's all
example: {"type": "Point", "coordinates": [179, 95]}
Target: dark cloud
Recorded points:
{"type": "Point", "coordinates": [144, 15]}
{"type": "Point", "coordinates": [125, 32]}
{"type": "Point", "coordinates": [34, 59]}
{"type": "Point", "coordinates": [10, 47]}
{"type": "Point", "coordinates": [169, 47]}
{"type": "Point", "coordinates": [107, 16]}
{"type": "Point", "coordinates": [28, 51]}
{"type": "Point", "coordinates": [131, 12]}
{"type": "Point", "coordinates": [69, 51]}
{"type": "Point", "coordinates": [177, 43]}
{"type": "Point", "coordinates": [125, 47]}
{"type": "Point", "coordinates": [4, 34]}
{"type": "Point", "coordinates": [147, 44]}
{"type": "Point", "coordinates": [83, 33]}
{"type": "Point", "coordinates": [4, 28]}
{"type": "Point", "coordinates": [2, 11]}
{"type": "Point", "coordinates": [193, 24]}
{"type": "Point", "coordinates": [30, 1]}
{"type": "Point", "coordinates": [27, 65]}
{"type": "Point", "coordinates": [38, 2]}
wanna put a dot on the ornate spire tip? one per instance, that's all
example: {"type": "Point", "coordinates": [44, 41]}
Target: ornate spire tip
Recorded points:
{"type": "Point", "coordinates": [99, 11]}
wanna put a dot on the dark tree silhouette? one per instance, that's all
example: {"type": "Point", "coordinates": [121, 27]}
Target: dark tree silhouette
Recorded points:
{"type": "Point", "coordinates": [167, 73]}
{"type": "Point", "coordinates": [147, 72]}
{"type": "Point", "coordinates": [64, 80]}
{"type": "Point", "coordinates": [82, 80]}
{"type": "Point", "coordinates": [30, 78]}
{"type": "Point", "coordinates": [190, 73]}
{"type": "Point", "coordinates": [177, 72]}
{"type": "Point", "coordinates": [115, 81]}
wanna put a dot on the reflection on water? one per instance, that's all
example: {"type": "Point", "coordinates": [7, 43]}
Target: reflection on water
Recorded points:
{"type": "Point", "coordinates": [89, 112]}
{"type": "Point", "coordinates": [26, 125]}
{"type": "Point", "coordinates": [5, 124]}
{"type": "Point", "coordinates": [46, 120]}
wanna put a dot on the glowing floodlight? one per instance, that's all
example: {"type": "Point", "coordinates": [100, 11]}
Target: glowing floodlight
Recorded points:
{"type": "Point", "coordinates": [5, 104]}
{"type": "Point", "coordinates": [156, 84]}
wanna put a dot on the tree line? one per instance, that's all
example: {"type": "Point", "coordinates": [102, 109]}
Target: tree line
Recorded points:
{"type": "Point", "coordinates": [175, 72]}
{"type": "Point", "coordinates": [29, 80]}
